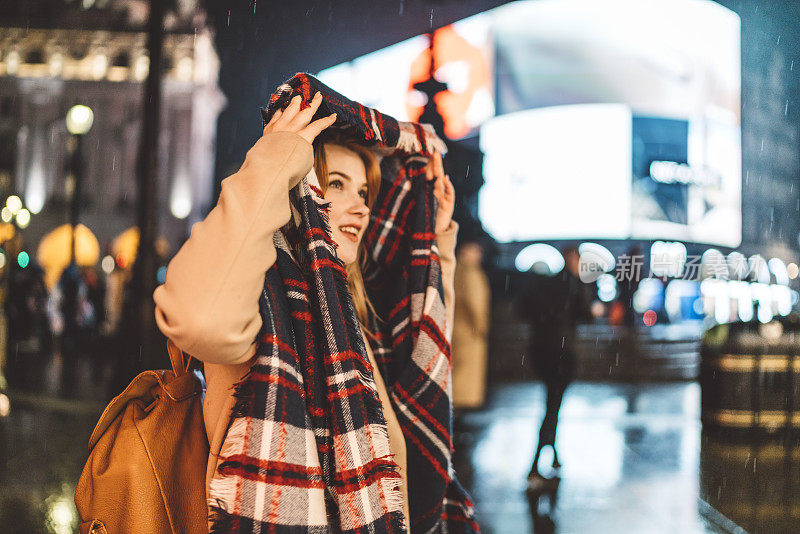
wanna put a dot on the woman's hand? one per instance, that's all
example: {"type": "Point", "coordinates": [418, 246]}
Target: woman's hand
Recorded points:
{"type": "Point", "coordinates": [443, 191]}
{"type": "Point", "coordinates": [293, 119]}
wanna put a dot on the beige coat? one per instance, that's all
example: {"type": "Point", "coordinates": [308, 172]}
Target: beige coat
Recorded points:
{"type": "Point", "coordinates": [470, 331]}
{"type": "Point", "coordinates": [208, 304]}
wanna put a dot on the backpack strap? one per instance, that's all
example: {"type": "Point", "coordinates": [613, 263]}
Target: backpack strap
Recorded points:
{"type": "Point", "coordinates": [180, 362]}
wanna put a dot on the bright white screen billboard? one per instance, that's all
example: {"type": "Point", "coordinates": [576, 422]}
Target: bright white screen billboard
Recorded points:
{"type": "Point", "coordinates": [624, 118]}
{"type": "Point", "coordinates": [557, 173]}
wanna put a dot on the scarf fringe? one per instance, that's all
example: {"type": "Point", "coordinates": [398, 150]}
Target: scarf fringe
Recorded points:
{"type": "Point", "coordinates": [220, 521]}
{"type": "Point", "coordinates": [409, 140]}
{"type": "Point", "coordinates": [221, 486]}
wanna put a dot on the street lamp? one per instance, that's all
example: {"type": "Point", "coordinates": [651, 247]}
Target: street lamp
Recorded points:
{"type": "Point", "coordinates": [79, 122]}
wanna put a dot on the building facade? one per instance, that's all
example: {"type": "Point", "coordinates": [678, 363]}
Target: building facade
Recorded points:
{"type": "Point", "coordinates": [102, 64]}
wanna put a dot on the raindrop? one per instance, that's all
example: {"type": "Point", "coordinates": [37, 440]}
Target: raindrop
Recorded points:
{"type": "Point", "coordinates": [402, 5]}
{"type": "Point", "coordinates": [791, 65]}
{"type": "Point", "coordinates": [229, 18]}
{"type": "Point", "coordinates": [779, 40]}
{"type": "Point", "coordinates": [786, 108]}
{"type": "Point", "coordinates": [762, 144]}
{"type": "Point", "coordinates": [254, 6]}
{"type": "Point", "coordinates": [431, 18]}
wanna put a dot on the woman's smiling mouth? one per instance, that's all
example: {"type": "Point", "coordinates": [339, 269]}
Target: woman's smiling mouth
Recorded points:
{"type": "Point", "coordinates": [350, 231]}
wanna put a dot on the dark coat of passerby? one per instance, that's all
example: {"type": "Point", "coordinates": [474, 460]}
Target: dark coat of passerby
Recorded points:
{"type": "Point", "coordinates": [554, 306]}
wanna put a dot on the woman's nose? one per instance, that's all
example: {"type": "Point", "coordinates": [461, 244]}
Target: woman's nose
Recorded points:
{"type": "Point", "coordinates": [358, 206]}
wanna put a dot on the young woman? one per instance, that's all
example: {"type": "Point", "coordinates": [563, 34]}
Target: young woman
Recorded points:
{"type": "Point", "coordinates": [209, 303]}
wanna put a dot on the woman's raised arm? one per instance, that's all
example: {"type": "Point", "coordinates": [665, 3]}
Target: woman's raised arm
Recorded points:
{"type": "Point", "coordinates": [208, 304]}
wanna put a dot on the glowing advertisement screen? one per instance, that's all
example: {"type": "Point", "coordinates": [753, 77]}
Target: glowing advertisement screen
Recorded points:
{"type": "Point", "coordinates": [616, 119]}
{"type": "Point", "coordinates": [536, 187]}
{"type": "Point", "coordinates": [597, 119]}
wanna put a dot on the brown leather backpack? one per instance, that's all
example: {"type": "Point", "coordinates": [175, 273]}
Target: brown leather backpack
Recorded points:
{"type": "Point", "coordinates": [147, 460]}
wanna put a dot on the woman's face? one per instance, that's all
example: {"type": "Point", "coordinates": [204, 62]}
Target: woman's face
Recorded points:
{"type": "Point", "coordinates": [347, 193]}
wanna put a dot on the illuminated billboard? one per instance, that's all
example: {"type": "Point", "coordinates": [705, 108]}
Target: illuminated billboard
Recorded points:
{"type": "Point", "coordinates": [624, 120]}
{"type": "Point", "coordinates": [597, 119]}
{"type": "Point", "coordinates": [600, 171]}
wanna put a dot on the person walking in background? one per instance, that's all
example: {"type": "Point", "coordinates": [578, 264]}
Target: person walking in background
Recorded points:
{"type": "Point", "coordinates": [470, 328]}
{"type": "Point", "coordinates": [554, 305]}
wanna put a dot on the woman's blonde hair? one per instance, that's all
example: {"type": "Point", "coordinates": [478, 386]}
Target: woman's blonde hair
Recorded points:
{"type": "Point", "coordinates": [355, 279]}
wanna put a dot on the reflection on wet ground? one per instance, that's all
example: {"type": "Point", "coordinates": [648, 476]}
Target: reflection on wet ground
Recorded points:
{"type": "Point", "coordinates": [42, 450]}
{"type": "Point", "coordinates": [634, 461]}
{"type": "Point", "coordinates": [756, 485]}
{"type": "Point", "coordinates": [630, 456]}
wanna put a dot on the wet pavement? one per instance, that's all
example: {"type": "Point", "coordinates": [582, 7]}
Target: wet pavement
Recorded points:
{"type": "Point", "coordinates": [43, 445]}
{"type": "Point", "coordinates": [631, 455]}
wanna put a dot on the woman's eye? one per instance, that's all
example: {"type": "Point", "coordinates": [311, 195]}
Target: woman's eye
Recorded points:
{"type": "Point", "coordinates": [363, 194]}
{"type": "Point", "coordinates": [335, 184]}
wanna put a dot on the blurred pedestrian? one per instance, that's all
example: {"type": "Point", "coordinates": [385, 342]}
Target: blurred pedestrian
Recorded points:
{"type": "Point", "coordinates": [554, 305]}
{"type": "Point", "coordinates": [81, 309]}
{"type": "Point", "coordinates": [28, 331]}
{"type": "Point", "coordinates": [470, 328]}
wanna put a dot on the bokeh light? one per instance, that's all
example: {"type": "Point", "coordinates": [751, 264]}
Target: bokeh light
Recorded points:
{"type": "Point", "coordinates": [107, 264]}
{"type": "Point", "coordinates": [23, 218]}
{"type": "Point", "coordinates": [14, 203]}
{"type": "Point", "coordinates": [79, 119]}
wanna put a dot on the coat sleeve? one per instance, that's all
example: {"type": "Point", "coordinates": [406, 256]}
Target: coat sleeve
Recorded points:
{"type": "Point", "coordinates": [208, 304]}
{"type": "Point", "coordinates": [446, 242]}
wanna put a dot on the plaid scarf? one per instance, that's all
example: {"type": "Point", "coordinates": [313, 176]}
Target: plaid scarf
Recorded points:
{"type": "Point", "coordinates": [307, 449]}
